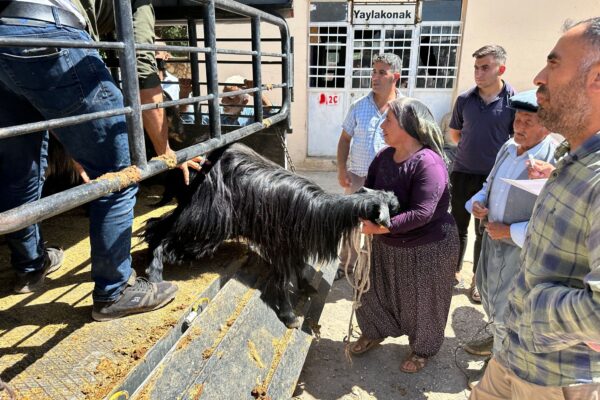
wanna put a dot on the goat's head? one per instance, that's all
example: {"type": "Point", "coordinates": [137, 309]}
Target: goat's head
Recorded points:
{"type": "Point", "coordinates": [379, 206]}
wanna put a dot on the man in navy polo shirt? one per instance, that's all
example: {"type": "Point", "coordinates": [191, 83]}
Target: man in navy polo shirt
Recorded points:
{"type": "Point", "coordinates": [481, 123]}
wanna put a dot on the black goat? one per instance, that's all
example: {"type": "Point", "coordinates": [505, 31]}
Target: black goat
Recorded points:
{"type": "Point", "coordinates": [291, 220]}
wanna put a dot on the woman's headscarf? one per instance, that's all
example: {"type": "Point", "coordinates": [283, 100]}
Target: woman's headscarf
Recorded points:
{"type": "Point", "coordinates": [416, 119]}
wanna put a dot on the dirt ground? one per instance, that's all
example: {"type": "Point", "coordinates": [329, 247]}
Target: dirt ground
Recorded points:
{"type": "Point", "coordinates": [375, 375]}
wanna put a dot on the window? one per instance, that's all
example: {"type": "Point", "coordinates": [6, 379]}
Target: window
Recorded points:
{"type": "Point", "coordinates": [327, 63]}
{"type": "Point", "coordinates": [370, 42]}
{"type": "Point", "coordinates": [438, 51]}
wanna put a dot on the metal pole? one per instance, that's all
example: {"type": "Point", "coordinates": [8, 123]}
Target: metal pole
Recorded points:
{"type": "Point", "coordinates": [194, 67]}
{"type": "Point", "coordinates": [286, 72]}
{"type": "Point", "coordinates": [30, 213]}
{"type": "Point", "coordinates": [256, 71]}
{"type": "Point", "coordinates": [131, 89]}
{"type": "Point", "coordinates": [210, 41]}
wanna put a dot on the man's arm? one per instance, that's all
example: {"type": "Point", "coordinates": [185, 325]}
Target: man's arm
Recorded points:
{"type": "Point", "coordinates": [343, 150]}
{"type": "Point", "coordinates": [185, 89]}
{"type": "Point", "coordinates": [154, 120]}
{"type": "Point", "coordinates": [454, 135]}
{"type": "Point", "coordinates": [560, 316]}
{"type": "Point", "coordinates": [155, 124]}
{"type": "Point", "coordinates": [266, 102]}
{"type": "Point", "coordinates": [518, 231]}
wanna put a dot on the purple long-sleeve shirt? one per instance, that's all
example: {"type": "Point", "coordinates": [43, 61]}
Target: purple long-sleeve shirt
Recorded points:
{"type": "Point", "coordinates": [421, 185]}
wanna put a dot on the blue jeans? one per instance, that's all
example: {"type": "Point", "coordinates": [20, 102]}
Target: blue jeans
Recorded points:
{"type": "Point", "coordinates": [50, 83]}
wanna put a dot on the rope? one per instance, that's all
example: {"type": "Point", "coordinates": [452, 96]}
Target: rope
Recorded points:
{"type": "Point", "coordinates": [9, 391]}
{"type": "Point", "coordinates": [360, 282]}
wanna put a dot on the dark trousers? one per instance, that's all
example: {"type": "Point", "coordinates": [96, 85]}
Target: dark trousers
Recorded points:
{"type": "Point", "coordinates": [464, 186]}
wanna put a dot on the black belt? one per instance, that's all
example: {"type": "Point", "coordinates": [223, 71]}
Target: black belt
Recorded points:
{"type": "Point", "coordinates": [39, 12]}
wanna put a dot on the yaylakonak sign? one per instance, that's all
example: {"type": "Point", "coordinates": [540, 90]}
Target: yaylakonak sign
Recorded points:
{"type": "Point", "coordinates": [384, 14]}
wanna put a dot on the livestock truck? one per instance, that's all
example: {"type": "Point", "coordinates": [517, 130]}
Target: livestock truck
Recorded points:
{"type": "Point", "coordinates": [218, 339]}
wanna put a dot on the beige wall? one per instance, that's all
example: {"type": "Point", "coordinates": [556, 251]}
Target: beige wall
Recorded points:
{"type": "Point", "coordinates": [298, 140]}
{"type": "Point", "coordinates": [527, 29]}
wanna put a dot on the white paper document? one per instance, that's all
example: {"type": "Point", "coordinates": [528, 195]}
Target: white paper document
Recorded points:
{"type": "Point", "coordinates": [530, 185]}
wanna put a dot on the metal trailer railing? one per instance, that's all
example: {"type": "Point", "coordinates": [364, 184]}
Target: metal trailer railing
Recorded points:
{"type": "Point", "coordinates": [30, 213]}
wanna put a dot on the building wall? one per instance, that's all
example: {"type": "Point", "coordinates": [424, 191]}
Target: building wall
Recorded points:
{"type": "Point", "coordinates": [526, 29]}
{"type": "Point", "coordinates": [298, 140]}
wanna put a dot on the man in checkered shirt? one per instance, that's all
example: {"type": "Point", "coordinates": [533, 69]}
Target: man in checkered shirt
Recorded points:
{"type": "Point", "coordinates": [552, 350]}
{"type": "Point", "coordinates": [361, 136]}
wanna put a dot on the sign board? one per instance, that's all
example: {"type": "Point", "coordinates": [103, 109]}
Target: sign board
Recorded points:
{"type": "Point", "coordinates": [384, 14]}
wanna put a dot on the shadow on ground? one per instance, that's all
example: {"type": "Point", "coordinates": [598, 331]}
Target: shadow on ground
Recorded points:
{"type": "Point", "coordinates": [327, 374]}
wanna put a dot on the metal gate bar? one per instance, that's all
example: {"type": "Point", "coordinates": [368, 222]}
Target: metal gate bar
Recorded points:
{"type": "Point", "coordinates": [27, 214]}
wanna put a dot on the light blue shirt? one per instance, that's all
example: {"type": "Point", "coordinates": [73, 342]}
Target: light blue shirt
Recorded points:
{"type": "Point", "coordinates": [363, 124]}
{"type": "Point", "coordinates": [238, 120]}
{"type": "Point", "coordinates": [511, 167]}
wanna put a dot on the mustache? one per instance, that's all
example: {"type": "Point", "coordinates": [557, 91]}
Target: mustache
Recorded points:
{"type": "Point", "coordinates": [542, 89]}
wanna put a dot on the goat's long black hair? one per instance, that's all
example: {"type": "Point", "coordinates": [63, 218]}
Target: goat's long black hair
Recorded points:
{"type": "Point", "coordinates": [242, 195]}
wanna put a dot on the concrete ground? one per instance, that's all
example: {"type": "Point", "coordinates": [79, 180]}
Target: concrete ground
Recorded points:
{"type": "Point", "coordinates": [327, 374]}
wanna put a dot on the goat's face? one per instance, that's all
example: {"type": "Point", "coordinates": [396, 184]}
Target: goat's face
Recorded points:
{"type": "Point", "coordinates": [381, 207]}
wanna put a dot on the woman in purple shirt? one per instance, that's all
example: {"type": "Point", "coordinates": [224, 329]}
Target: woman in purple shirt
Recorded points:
{"type": "Point", "coordinates": [412, 262]}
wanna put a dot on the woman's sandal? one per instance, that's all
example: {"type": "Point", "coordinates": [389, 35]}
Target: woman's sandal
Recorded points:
{"type": "Point", "coordinates": [363, 345]}
{"type": "Point", "coordinates": [474, 294]}
{"type": "Point", "coordinates": [417, 363]}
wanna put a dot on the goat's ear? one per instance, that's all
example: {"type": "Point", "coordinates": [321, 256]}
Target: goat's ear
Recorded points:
{"type": "Point", "coordinates": [383, 216]}
{"type": "Point", "coordinates": [374, 213]}
{"type": "Point", "coordinates": [364, 190]}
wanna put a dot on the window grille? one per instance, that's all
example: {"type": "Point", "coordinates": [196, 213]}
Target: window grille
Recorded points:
{"type": "Point", "coordinates": [438, 56]}
{"type": "Point", "coordinates": [370, 42]}
{"type": "Point", "coordinates": [327, 61]}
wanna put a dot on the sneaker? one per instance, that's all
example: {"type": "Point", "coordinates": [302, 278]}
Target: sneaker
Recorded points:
{"type": "Point", "coordinates": [480, 347]}
{"type": "Point", "coordinates": [31, 281]}
{"type": "Point", "coordinates": [140, 295]}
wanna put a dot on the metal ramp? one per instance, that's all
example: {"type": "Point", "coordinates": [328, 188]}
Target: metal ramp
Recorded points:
{"type": "Point", "coordinates": [237, 348]}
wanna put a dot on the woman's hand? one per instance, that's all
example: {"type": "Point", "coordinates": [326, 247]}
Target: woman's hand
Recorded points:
{"type": "Point", "coordinates": [370, 228]}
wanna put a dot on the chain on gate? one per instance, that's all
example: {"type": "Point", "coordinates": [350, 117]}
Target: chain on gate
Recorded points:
{"type": "Point", "coordinates": [286, 152]}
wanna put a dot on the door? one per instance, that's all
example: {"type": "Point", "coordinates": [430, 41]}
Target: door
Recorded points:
{"type": "Point", "coordinates": [429, 54]}
{"type": "Point", "coordinates": [327, 81]}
